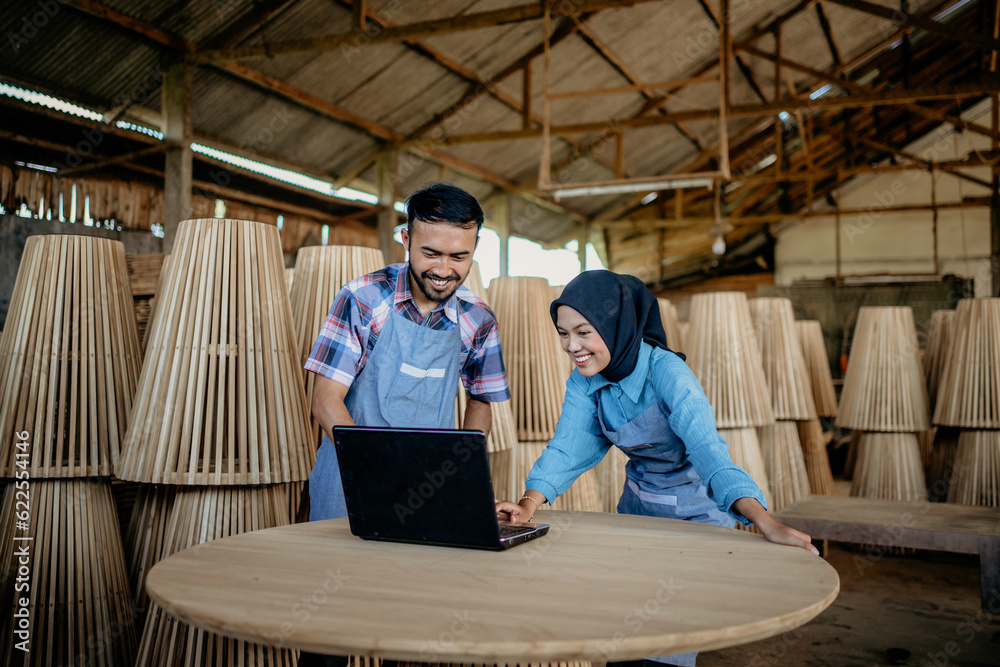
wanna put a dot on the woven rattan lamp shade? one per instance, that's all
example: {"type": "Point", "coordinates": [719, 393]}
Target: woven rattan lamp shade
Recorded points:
{"type": "Point", "coordinates": [722, 351]}
{"type": "Point", "coordinates": [889, 468]}
{"type": "Point", "coordinates": [668, 316]}
{"type": "Point", "coordinates": [939, 341]}
{"type": "Point", "coordinates": [220, 398]}
{"type": "Point", "coordinates": [969, 389]}
{"type": "Point", "coordinates": [80, 606]}
{"type": "Point", "coordinates": [818, 365]}
{"type": "Point", "coordinates": [784, 462]}
{"type": "Point", "coordinates": [976, 476]}
{"type": "Point", "coordinates": [781, 355]}
{"type": "Point", "coordinates": [69, 358]}
{"type": "Point", "coordinates": [320, 272]}
{"type": "Point", "coordinates": [536, 365]}
{"type": "Point", "coordinates": [884, 386]}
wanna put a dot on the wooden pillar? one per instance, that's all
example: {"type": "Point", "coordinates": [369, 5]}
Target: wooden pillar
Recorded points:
{"type": "Point", "coordinates": [176, 130]}
{"type": "Point", "coordinates": [995, 211]}
{"type": "Point", "coordinates": [501, 214]}
{"type": "Point", "coordinates": [385, 170]}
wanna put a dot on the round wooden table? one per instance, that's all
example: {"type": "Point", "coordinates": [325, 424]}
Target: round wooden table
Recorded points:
{"type": "Point", "coordinates": [597, 587]}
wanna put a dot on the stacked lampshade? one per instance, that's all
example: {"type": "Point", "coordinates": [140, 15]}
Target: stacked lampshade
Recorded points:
{"type": "Point", "coordinates": [811, 432]}
{"type": "Point", "coordinates": [791, 398]}
{"type": "Point", "coordinates": [968, 398]}
{"type": "Point", "coordinates": [220, 416]}
{"type": "Point", "coordinates": [938, 445]}
{"type": "Point", "coordinates": [885, 397]}
{"type": "Point", "coordinates": [668, 316]}
{"type": "Point", "coordinates": [722, 352]}
{"type": "Point", "coordinates": [537, 373]}
{"type": "Point", "coordinates": [69, 359]}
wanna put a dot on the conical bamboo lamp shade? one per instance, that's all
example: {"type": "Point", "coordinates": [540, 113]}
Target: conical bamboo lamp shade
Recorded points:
{"type": "Point", "coordinates": [290, 278]}
{"type": "Point", "coordinates": [69, 358]}
{"type": "Point", "coordinates": [976, 479]}
{"type": "Point", "coordinates": [193, 516]}
{"type": "Point", "coordinates": [818, 364]}
{"type": "Point", "coordinates": [610, 476]}
{"type": "Point", "coordinates": [744, 450]}
{"type": "Point", "coordinates": [220, 398]}
{"type": "Point", "coordinates": [969, 389]}
{"type": "Point", "coordinates": [888, 468]}
{"type": "Point", "coordinates": [160, 282]}
{"type": "Point", "coordinates": [722, 351]}
{"type": "Point", "coordinates": [583, 496]}
{"type": "Point", "coordinates": [79, 607]}
{"type": "Point", "coordinates": [320, 273]}
{"type": "Point", "coordinates": [781, 354]}
{"type": "Point", "coordinates": [668, 316]}
{"type": "Point", "coordinates": [536, 366]}
{"type": "Point", "coordinates": [817, 460]}
{"type": "Point", "coordinates": [784, 462]}
{"type": "Point", "coordinates": [884, 387]}
{"type": "Point", "coordinates": [939, 342]}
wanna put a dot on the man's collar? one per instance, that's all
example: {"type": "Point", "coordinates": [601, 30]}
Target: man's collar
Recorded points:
{"type": "Point", "coordinates": [632, 384]}
{"type": "Point", "coordinates": [404, 294]}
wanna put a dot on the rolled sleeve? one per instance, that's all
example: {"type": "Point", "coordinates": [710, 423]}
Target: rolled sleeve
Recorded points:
{"type": "Point", "coordinates": [483, 374]}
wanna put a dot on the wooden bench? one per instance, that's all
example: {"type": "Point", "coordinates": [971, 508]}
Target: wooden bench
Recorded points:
{"type": "Point", "coordinates": [924, 525]}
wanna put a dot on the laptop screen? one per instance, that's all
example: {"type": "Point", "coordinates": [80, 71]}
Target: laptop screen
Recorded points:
{"type": "Point", "coordinates": [418, 485]}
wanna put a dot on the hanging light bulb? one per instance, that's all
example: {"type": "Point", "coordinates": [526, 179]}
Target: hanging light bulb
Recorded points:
{"type": "Point", "coordinates": [719, 245]}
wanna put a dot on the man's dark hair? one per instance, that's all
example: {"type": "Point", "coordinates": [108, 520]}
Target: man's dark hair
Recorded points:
{"type": "Point", "coordinates": [444, 202]}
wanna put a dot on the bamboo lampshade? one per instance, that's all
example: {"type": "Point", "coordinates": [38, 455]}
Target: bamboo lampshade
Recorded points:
{"type": "Point", "coordinates": [668, 316]}
{"type": "Point", "coordinates": [884, 387]}
{"type": "Point", "coordinates": [969, 389]}
{"type": "Point", "coordinates": [781, 354]}
{"type": "Point", "coordinates": [220, 398]}
{"type": "Point", "coordinates": [889, 468]}
{"type": "Point", "coordinates": [744, 451]}
{"type": "Point", "coordinates": [583, 496]}
{"type": "Point", "coordinates": [722, 351]}
{"type": "Point", "coordinates": [817, 460]}
{"type": "Point", "coordinates": [193, 516]}
{"type": "Point", "coordinates": [320, 273]}
{"type": "Point", "coordinates": [290, 278]}
{"type": "Point", "coordinates": [682, 329]}
{"type": "Point", "coordinates": [536, 366]}
{"type": "Point", "coordinates": [939, 341]}
{"type": "Point", "coordinates": [610, 476]}
{"type": "Point", "coordinates": [784, 462]}
{"type": "Point", "coordinates": [160, 282]}
{"type": "Point", "coordinates": [818, 364]}
{"type": "Point", "coordinates": [976, 477]}
{"type": "Point", "coordinates": [80, 608]}
{"type": "Point", "coordinates": [69, 358]}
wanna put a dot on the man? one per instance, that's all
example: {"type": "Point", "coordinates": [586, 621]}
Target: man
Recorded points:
{"type": "Point", "coordinates": [396, 341]}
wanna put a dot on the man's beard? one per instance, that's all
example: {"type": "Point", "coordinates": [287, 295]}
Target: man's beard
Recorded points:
{"type": "Point", "coordinates": [428, 291]}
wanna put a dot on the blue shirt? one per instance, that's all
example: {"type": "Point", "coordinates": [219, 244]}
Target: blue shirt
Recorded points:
{"type": "Point", "coordinates": [579, 443]}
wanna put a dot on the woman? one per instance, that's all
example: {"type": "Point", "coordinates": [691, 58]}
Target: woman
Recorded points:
{"type": "Point", "coordinates": [629, 390]}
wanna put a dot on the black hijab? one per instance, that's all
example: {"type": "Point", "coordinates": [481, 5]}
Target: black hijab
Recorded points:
{"type": "Point", "coordinates": [622, 310]}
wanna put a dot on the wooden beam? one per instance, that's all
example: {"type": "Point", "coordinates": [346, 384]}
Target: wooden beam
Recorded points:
{"type": "Point", "coordinates": [639, 87]}
{"type": "Point", "coordinates": [899, 17]}
{"type": "Point", "coordinates": [118, 159]}
{"type": "Point", "coordinates": [488, 19]}
{"type": "Point", "coordinates": [526, 99]}
{"type": "Point", "coordinates": [132, 25]}
{"type": "Point", "coordinates": [360, 15]}
{"type": "Point", "coordinates": [259, 14]}
{"type": "Point", "coordinates": [828, 33]}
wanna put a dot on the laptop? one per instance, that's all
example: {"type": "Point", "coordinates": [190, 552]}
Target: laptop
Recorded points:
{"type": "Point", "coordinates": [423, 486]}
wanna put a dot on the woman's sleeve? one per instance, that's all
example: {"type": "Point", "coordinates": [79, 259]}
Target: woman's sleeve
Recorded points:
{"type": "Point", "coordinates": [693, 421]}
{"type": "Point", "coordinates": [578, 445]}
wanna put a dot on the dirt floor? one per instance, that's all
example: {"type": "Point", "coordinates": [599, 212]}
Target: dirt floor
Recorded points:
{"type": "Point", "coordinates": [924, 602]}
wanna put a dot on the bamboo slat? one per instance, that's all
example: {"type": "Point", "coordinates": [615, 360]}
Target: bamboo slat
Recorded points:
{"type": "Point", "coordinates": [889, 468]}
{"type": "Point", "coordinates": [290, 279]}
{"type": "Point", "coordinates": [220, 398]}
{"type": "Point", "coordinates": [783, 460]}
{"type": "Point", "coordinates": [781, 354]}
{"type": "Point", "coordinates": [80, 607]}
{"type": "Point", "coordinates": [969, 389]}
{"type": "Point", "coordinates": [582, 496]}
{"type": "Point", "coordinates": [818, 364]}
{"type": "Point", "coordinates": [536, 364]}
{"type": "Point", "coordinates": [976, 477]}
{"type": "Point", "coordinates": [161, 280]}
{"type": "Point", "coordinates": [188, 517]}
{"type": "Point", "coordinates": [668, 316]}
{"type": "Point", "coordinates": [744, 450]}
{"type": "Point", "coordinates": [817, 460]}
{"type": "Point", "coordinates": [884, 387]}
{"type": "Point", "coordinates": [941, 464]}
{"type": "Point", "coordinates": [610, 475]}
{"type": "Point", "coordinates": [939, 342]}
{"type": "Point", "coordinates": [723, 353]}
{"type": "Point", "coordinates": [320, 273]}
{"type": "Point", "coordinates": [69, 358]}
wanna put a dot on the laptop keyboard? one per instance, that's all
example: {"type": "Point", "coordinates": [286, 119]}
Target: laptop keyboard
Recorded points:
{"type": "Point", "coordinates": [507, 531]}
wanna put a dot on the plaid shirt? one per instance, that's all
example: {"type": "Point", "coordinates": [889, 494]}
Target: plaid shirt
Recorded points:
{"type": "Point", "coordinates": [352, 327]}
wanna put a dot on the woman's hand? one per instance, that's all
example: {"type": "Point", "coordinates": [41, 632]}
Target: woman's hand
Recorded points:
{"type": "Point", "coordinates": [511, 512]}
{"type": "Point", "coordinates": [772, 530]}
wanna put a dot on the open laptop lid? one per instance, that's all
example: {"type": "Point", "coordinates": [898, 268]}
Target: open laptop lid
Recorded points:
{"type": "Point", "coordinates": [418, 485]}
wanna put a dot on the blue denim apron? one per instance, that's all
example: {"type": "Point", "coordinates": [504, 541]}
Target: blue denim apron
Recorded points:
{"type": "Point", "coordinates": [410, 380]}
{"type": "Point", "coordinates": [660, 481]}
